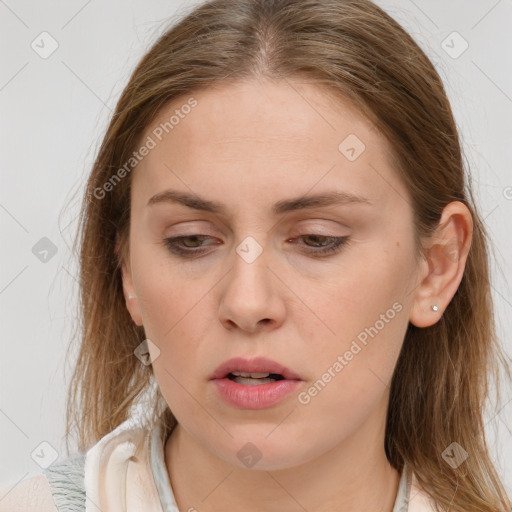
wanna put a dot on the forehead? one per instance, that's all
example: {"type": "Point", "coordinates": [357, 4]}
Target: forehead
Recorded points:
{"type": "Point", "coordinates": [262, 135]}
{"type": "Point", "coordinates": [266, 112]}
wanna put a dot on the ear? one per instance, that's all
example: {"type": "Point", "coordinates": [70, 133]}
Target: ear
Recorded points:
{"type": "Point", "coordinates": [446, 253]}
{"type": "Point", "coordinates": [130, 296]}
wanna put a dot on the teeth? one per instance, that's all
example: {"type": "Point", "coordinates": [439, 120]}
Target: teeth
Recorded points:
{"type": "Point", "coordinates": [252, 382]}
{"type": "Point", "coordinates": [252, 375]}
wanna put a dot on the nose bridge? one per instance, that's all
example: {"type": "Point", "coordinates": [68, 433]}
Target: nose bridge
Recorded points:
{"type": "Point", "coordinates": [251, 296]}
{"type": "Point", "coordinates": [250, 267]}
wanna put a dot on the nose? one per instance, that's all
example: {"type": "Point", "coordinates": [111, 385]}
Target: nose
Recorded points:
{"type": "Point", "coordinates": [252, 299]}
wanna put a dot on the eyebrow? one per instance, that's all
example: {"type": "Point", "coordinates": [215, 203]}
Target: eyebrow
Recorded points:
{"type": "Point", "coordinates": [284, 206]}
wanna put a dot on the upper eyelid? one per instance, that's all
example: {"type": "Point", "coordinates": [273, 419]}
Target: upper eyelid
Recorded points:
{"type": "Point", "coordinates": [177, 238]}
{"type": "Point", "coordinates": [305, 226]}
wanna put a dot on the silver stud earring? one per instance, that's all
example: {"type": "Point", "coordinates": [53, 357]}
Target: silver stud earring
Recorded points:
{"type": "Point", "coordinates": [435, 308]}
{"type": "Point", "coordinates": [131, 296]}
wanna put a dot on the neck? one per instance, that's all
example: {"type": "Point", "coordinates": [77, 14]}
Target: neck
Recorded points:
{"type": "Point", "coordinates": [354, 475]}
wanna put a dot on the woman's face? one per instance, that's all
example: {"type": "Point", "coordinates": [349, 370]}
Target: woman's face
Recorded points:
{"type": "Point", "coordinates": [256, 278]}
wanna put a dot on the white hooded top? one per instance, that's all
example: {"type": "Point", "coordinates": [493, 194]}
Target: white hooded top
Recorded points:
{"type": "Point", "coordinates": [125, 471]}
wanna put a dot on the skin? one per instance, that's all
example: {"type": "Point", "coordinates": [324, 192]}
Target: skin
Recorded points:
{"type": "Point", "coordinates": [249, 145]}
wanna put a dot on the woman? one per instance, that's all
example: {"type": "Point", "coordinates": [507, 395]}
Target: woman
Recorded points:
{"type": "Point", "coordinates": [279, 228]}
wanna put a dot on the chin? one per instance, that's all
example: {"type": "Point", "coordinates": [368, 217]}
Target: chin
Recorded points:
{"type": "Point", "coordinates": [263, 452]}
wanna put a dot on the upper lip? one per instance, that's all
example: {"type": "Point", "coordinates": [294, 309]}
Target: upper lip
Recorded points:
{"type": "Point", "coordinates": [254, 365]}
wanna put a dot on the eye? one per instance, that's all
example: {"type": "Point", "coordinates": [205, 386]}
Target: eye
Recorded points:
{"type": "Point", "coordinates": [332, 245]}
{"type": "Point", "coordinates": [176, 247]}
{"type": "Point", "coordinates": [191, 245]}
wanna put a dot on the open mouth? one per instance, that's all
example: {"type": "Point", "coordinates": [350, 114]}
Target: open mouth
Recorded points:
{"type": "Point", "coordinates": [262, 384]}
{"type": "Point", "coordinates": [254, 379]}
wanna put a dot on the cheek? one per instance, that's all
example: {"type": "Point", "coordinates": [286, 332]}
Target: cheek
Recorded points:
{"type": "Point", "coordinates": [175, 319]}
{"type": "Point", "coordinates": [172, 313]}
{"type": "Point", "coordinates": [165, 296]}
{"type": "Point", "coordinates": [177, 312]}
{"type": "Point", "coordinates": [357, 294]}
{"type": "Point", "coordinates": [352, 377]}
{"type": "Point", "coordinates": [364, 319]}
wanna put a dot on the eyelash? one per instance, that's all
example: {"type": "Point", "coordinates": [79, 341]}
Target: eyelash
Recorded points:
{"type": "Point", "coordinates": [338, 243]}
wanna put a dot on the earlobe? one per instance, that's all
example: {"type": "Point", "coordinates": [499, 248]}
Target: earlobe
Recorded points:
{"type": "Point", "coordinates": [446, 254]}
{"type": "Point", "coordinates": [130, 296]}
{"type": "Point", "coordinates": [128, 288]}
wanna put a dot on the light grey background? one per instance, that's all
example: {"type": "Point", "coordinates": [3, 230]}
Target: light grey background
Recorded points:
{"type": "Point", "coordinates": [53, 113]}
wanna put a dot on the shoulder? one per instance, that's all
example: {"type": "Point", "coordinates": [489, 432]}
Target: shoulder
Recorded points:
{"type": "Point", "coordinates": [60, 487]}
{"type": "Point", "coordinates": [30, 494]}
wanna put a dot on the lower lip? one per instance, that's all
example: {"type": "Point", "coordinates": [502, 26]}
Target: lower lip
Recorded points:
{"type": "Point", "coordinates": [259, 396]}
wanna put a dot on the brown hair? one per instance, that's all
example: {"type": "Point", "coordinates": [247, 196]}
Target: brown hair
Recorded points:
{"type": "Point", "coordinates": [352, 47]}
